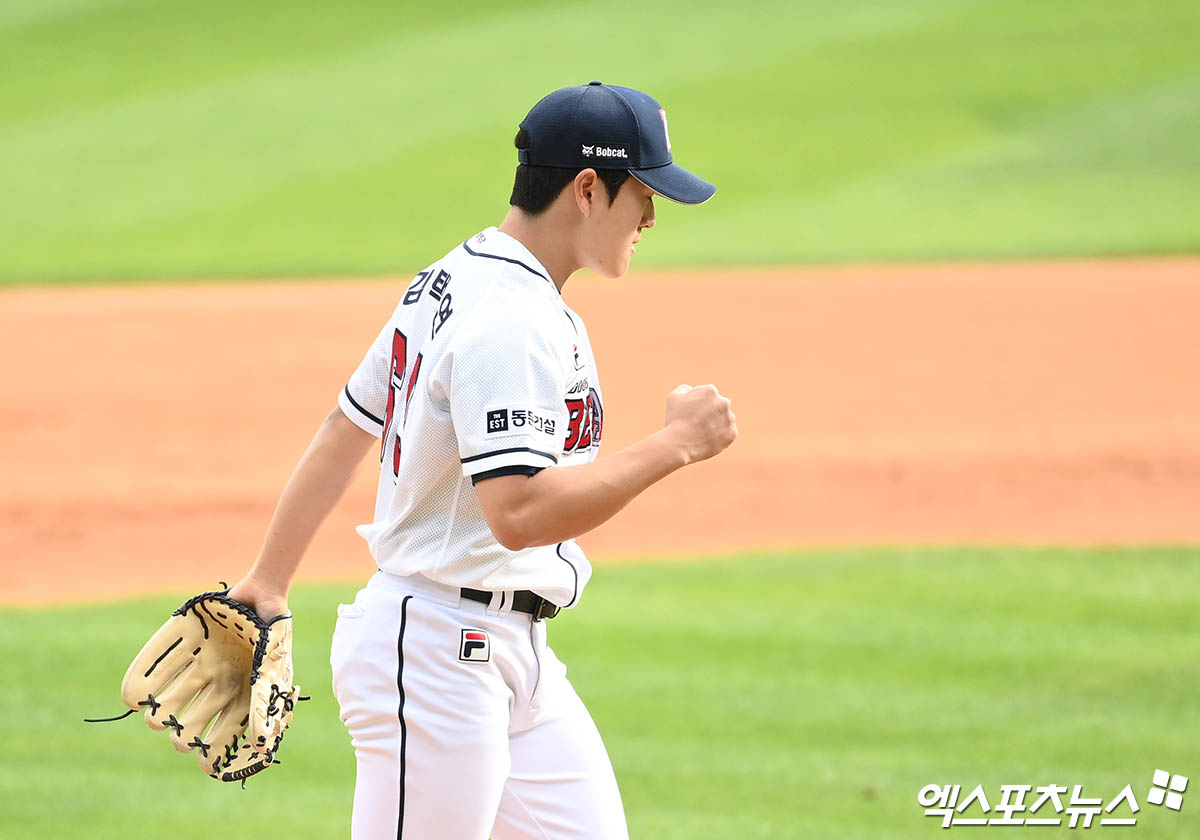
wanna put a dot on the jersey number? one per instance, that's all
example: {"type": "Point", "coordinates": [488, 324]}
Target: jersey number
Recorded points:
{"type": "Point", "coordinates": [585, 422]}
{"type": "Point", "coordinates": [396, 378]}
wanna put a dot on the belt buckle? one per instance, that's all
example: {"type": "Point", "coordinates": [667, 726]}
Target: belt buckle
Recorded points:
{"type": "Point", "coordinates": [544, 609]}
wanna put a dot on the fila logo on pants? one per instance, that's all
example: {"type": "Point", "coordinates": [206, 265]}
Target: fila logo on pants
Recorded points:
{"type": "Point", "coordinates": [474, 646]}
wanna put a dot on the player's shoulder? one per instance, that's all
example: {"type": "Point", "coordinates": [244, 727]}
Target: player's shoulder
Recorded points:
{"type": "Point", "coordinates": [511, 289]}
{"type": "Point", "coordinates": [497, 257]}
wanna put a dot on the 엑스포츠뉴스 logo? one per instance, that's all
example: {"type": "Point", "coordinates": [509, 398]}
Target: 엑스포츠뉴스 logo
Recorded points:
{"type": "Point", "coordinates": [1025, 805]}
{"type": "Point", "coordinates": [1167, 789]}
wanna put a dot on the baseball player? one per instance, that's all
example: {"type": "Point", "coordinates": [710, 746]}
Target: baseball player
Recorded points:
{"type": "Point", "coordinates": [482, 396]}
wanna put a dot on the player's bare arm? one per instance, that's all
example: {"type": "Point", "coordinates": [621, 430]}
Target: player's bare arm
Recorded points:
{"type": "Point", "coordinates": [319, 481]}
{"type": "Point", "coordinates": [560, 504]}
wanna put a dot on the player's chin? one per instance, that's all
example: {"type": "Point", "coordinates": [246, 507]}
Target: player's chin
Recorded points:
{"type": "Point", "coordinates": [622, 263]}
{"type": "Point", "coordinates": [613, 264]}
{"type": "Point", "coordinates": [611, 271]}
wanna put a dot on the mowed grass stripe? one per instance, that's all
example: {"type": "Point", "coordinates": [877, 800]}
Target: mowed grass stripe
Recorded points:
{"type": "Point", "coordinates": [139, 139]}
{"type": "Point", "coordinates": [981, 138]}
{"type": "Point", "coordinates": [227, 136]}
{"type": "Point", "coordinates": [767, 696]}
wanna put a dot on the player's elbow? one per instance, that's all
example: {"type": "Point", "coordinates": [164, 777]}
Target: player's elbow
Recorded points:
{"type": "Point", "coordinates": [515, 530]}
{"type": "Point", "coordinates": [510, 536]}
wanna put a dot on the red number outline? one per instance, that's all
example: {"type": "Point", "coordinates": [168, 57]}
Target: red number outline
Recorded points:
{"type": "Point", "coordinates": [576, 415]}
{"type": "Point", "coordinates": [398, 364]}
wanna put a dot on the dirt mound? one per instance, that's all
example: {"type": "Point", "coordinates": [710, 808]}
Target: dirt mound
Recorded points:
{"type": "Point", "coordinates": [146, 432]}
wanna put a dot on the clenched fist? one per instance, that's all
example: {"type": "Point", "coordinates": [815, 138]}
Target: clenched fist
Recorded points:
{"type": "Point", "coordinates": [701, 421]}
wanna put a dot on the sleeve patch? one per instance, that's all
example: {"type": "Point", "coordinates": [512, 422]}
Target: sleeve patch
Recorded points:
{"type": "Point", "coordinates": [500, 421]}
{"type": "Point", "coordinates": [497, 421]}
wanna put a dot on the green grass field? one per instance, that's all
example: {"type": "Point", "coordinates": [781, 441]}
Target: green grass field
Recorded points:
{"type": "Point", "coordinates": [805, 695]}
{"type": "Point", "coordinates": [209, 137]}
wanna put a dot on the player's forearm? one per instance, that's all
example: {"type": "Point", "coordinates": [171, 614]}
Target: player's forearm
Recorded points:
{"type": "Point", "coordinates": [562, 503]}
{"type": "Point", "coordinates": [319, 481]}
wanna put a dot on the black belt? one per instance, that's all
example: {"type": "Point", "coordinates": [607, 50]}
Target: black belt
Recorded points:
{"type": "Point", "coordinates": [522, 601]}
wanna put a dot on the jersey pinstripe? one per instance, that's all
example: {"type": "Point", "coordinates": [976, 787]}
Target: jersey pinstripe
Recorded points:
{"type": "Point", "coordinates": [481, 370]}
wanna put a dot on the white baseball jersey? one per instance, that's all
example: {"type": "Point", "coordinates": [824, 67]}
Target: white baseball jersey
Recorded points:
{"type": "Point", "coordinates": [482, 370]}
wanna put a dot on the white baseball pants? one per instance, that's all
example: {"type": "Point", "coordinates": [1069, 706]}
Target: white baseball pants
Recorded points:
{"type": "Point", "coordinates": [464, 723]}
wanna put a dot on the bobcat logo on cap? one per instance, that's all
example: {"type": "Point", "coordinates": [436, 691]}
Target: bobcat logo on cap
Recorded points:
{"type": "Point", "coordinates": [605, 151]}
{"type": "Point", "coordinates": [663, 113]}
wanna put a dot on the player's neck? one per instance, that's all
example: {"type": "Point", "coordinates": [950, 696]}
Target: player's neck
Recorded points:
{"type": "Point", "coordinates": [543, 237]}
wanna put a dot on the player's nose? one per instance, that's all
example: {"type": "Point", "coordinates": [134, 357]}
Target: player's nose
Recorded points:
{"type": "Point", "coordinates": [648, 219]}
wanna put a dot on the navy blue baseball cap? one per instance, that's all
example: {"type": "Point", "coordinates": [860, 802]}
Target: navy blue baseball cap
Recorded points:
{"type": "Point", "coordinates": [601, 126]}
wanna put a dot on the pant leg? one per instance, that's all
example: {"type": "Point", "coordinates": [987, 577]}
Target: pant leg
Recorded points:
{"type": "Point", "coordinates": [430, 733]}
{"type": "Point", "coordinates": [561, 785]}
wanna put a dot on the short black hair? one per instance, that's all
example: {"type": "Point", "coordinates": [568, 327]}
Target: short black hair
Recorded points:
{"type": "Point", "coordinates": [535, 187]}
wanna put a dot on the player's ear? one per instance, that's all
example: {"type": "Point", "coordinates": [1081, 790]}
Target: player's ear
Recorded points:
{"type": "Point", "coordinates": [584, 190]}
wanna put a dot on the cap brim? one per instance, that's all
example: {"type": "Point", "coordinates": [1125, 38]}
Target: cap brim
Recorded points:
{"type": "Point", "coordinates": [676, 183]}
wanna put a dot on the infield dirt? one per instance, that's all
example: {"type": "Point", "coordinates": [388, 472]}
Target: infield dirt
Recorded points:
{"type": "Point", "coordinates": [145, 432]}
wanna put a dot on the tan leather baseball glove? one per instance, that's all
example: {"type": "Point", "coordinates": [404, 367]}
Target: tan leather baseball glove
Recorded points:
{"type": "Point", "coordinates": [213, 673]}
